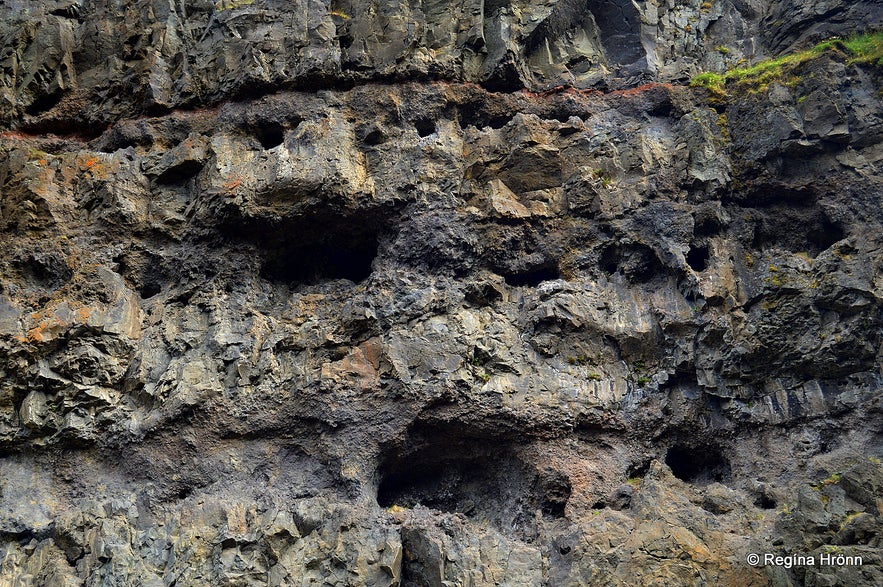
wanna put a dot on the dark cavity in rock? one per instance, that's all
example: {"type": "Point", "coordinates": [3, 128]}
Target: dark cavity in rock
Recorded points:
{"type": "Point", "coordinates": [270, 134]}
{"type": "Point", "coordinates": [765, 502]}
{"type": "Point", "coordinates": [697, 258]}
{"type": "Point", "coordinates": [43, 103]}
{"type": "Point", "coordinates": [482, 478]}
{"type": "Point", "coordinates": [636, 262]}
{"type": "Point", "coordinates": [533, 277]}
{"type": "Point", "coordinates": [45, 269]}
{"type": "Point", "coordinates": [179, 173]}
{"type": "Point", "coordinates": [481, 115]}
{"type": "Point", "coordinates": [425, 127]}
{"type": "Point", "coordinates": [699, 465]}
{"type": "Point", "coordinates": [339, 257]}
{"type": "Point", "coordinates": [805, 230]}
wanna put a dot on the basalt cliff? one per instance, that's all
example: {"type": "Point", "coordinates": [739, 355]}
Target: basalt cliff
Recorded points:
{"type": "Point", "coordinates": [440, 293]}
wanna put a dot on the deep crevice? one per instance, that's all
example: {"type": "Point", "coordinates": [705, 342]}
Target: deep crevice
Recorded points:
{"type": "Point", "coordinates": [346, 41]}
{"type": "Point", "coordinates": [324, 249]}
{"type": "Point", "coordinates": [617, 21]}
{"type": "Point", "coordinates": [43, 269]}
{"type": "Point", "coordinates": [144, 271]}
{"type": "Point", "coordinates": [72, 12]}
{"type": "Point", "coordinates": [149, 289]}
{"type": "Point", "coordinates": [619, 24]}
{"type": "Point", "coordinates": [707, 226]}
{"type": "Point", "coordinates": [638, 470]}
{"type": "Point", "coordinates": [311, 245]}
{"type": "Point", "coordinates": [766, 196]}
{"type": "Point", "coordinates": [26, 535]}
{"type": "Point", "coordinates": [825, 234]}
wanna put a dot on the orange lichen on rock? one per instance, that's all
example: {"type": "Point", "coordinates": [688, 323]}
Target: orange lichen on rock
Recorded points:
{"type": "Point", "coordinates": [39, 332]}
{"type": "Point", "coordinates": [56, 318]}
{"type": "Point", "coordinates": [83, 314]}
{"type": "Point", "coordinates": [93, 165]}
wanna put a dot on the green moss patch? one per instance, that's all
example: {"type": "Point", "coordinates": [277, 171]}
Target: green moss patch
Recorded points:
{"type": "Point", "coordinates": [866, 49]}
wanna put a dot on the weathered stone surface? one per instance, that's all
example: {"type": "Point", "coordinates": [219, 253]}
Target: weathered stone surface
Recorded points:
{"type": "Point", "coordinates": [338, 293]}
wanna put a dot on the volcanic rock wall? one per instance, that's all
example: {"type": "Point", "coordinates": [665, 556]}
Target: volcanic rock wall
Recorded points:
{"type": "Point", "coordinates": [436, 293]}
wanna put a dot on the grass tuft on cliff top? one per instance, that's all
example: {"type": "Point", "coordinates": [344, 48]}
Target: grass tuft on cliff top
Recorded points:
{"type": "Point", "coordinates": [867, 48]}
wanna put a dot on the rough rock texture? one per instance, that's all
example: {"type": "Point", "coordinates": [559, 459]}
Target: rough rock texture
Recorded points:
{"type": "Point", "coordinates": [299, 293]}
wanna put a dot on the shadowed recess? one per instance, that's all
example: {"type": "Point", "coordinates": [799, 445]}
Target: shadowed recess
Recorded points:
{"type": "Point", "coordinates": [533, 277]}
{"type": "Point", "coordinates": [481, 478]}
{"type": "Point", "coordinates": [699, 465]}
{"type": "Point", "coordinates": [270, 134]}
{"type": "Point", "coordinates": [697, 257]}
{"type": "Point", "coordinates": [345, 258]}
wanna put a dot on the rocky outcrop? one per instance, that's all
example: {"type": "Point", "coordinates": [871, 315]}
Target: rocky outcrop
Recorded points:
{"type": "Point", "coordinates": [80, 66]}
{"type": "Point", "coordinates": [357, 294]}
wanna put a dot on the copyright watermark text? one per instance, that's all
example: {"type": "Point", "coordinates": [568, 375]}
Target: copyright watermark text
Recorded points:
{"type": "Point", "coordinates": [824, 559]}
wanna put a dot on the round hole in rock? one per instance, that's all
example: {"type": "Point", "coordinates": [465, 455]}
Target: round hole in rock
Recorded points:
{"type": "Point", "coordinates": [270, 134]}
{"type": "Point", "coordinates": [697, 258]}
{"type": "Point", "coordinates": [425, 127]}
{"type": "Point", "coordinates": [374, 137]}
{"type": "Point", "coordinates": [371, 134]}
{"type": "Point", "coordinates": [698, 465]}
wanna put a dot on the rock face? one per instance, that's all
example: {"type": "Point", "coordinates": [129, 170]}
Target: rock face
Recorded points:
{"type": "Point", "coordinates": [436, 293]}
